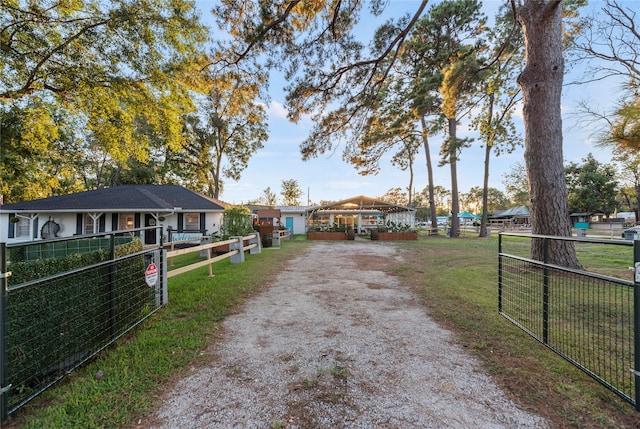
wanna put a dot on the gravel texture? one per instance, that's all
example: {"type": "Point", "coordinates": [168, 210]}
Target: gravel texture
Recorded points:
{"type": "Point", "coordinates": [337, 342]}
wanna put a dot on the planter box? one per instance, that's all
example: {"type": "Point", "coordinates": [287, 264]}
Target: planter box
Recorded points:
{"type": "Point", "coordinates": [397, 236]}
{"type": "Point", "coordinates": [338, 235]}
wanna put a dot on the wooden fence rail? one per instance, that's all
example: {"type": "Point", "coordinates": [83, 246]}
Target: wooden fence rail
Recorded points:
{"type": "Point", "coordinates": [236, 252]}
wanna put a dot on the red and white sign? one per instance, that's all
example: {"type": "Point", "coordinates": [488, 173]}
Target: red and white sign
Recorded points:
{"type": "Point", "coordinates": [151, 274]}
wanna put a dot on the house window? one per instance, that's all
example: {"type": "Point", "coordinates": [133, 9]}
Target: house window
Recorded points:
{"type": "Point", "coordinates": [192, 221]}
{"type": "Point", "coordinates": [368, 220]}
{"type": "Point", "coordinates": [88, 224]}
{"type": "Point", "coordinates": [127, 221]}
{"type": "Point", "coordinates": [23, 227]}
{"type": "Point", "coordinates": [319, 220]}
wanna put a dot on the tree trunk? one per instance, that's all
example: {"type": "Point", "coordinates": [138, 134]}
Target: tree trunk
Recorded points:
{"type": "Point", "coordinates": [216, 170]}
{"type": "Point", "coordinates": [485, 183]}
{"type": "Point", "coordinates": [485, 192]}
{"type": "Point", "coordinates": [432, 200]}
{"type": "Point", "coordinates": [410, 181]}
{"type": "Point", "coordinates": [453, 158]}
{"type": "Point", "coordinates": [541, 83]}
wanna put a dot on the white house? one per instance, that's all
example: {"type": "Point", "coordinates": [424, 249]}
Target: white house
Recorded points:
{"type": "Point", "coordinates": [181, 212]}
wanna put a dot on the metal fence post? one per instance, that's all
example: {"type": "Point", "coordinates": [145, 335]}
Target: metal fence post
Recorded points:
{"type": "Point", "coordinates": [636, 322]}
{"type": "Point", "coordinates": [4, 354]}
{"type": "Point", "coordinates": [545, 292]}
{"type": "Point", "coordinates": [165, 278]}
{"type": "Point", "coordinates": [500, 272]}
{"type": "Point", "coordinates": [112, 285]}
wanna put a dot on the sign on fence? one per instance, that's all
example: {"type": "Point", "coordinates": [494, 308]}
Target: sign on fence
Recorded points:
{"type": "Point", "coordinates": [151, 274]}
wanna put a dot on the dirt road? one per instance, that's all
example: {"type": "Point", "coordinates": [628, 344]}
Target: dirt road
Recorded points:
{"type": "Point", "coordinates": [337, 342]}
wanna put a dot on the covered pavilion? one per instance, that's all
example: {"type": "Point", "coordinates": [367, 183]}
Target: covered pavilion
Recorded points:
{"type": "Point", "coordinates": [360, 213]}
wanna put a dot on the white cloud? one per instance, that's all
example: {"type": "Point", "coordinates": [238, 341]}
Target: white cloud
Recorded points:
{"type": "Point", "coordinates": [276, 109]}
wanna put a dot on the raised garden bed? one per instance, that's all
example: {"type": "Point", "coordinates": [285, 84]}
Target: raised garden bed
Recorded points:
{"type": "Point", "coordinates": [327, 235]}
{"type": "Point", "coordinates": [376, 235]}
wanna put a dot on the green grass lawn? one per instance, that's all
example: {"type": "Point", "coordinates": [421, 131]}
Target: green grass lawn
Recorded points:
{"type": "Point", "coordinates": [456, 279]}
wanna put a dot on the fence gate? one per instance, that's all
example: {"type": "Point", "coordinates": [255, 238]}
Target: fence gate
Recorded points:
{"type": "Point", "coordinates": [63, 301]}
{"type": "Point", "coordinates": [589, 317]}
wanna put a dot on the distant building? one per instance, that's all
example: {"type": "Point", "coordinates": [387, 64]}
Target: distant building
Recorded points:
{"type": "Point", "coordinates": [361, 213]}
{"type": "Point", "coordinates": [515, 217]}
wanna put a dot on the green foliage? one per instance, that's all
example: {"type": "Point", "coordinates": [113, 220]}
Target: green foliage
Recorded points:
{"type": "Point", "coordinates": [328, 228]}
{"type": "Point", "coordinates": [624, 132]}
{"type": "Point", "coordinates": [236, 221]}
{"type": "Point", "coordinates": [291, 192]}
{"type": "Point", "coordinates": [31, 163]}
{"type": "Point", "coordinates": [395, 196]}
{"type": "Point", "coordinates": [36, 260]}
{"type": "Point", "coordinates": [55, 323]}
{"type": "Point", "coordinates": [592, 186]}
{"type": "Point", "coordinates": [391, 226]}
{"type": "Point", "coordinates": [64, 47]}
{"type": "Point", "coordinates": [496, 200]}
{"type": "Point", "coordinates": [268, 198]}
{"type": "Point", "coordinates": [25, 271]}
{"type": "Point", "coordinates": [516, 184]}
{"type": "Point", "coordinates": [89, 86]}
{"type": "Point", "coordinates": [227, 130]}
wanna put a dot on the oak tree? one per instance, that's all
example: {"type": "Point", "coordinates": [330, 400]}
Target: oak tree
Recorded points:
{"type": "Point", "coordinates": [229, 127]}
{"type": "Point", "coordinates": [592, 186]}
{"type": "Point", "coordinates": [120, 71]}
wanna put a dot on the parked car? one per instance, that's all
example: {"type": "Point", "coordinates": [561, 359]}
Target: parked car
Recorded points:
{"type": "Point", "coordinates": [442, 220]}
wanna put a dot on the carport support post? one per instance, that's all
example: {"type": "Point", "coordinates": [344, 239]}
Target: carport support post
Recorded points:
{"type": "Point", "coordinates": [237, 244]}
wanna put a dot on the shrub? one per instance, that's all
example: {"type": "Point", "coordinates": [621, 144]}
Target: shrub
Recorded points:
{"type": "Point", "coordinates": [236, 221]}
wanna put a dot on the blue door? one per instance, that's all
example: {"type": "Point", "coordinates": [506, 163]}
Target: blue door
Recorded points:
{"type": "Point", "coordinates": [288, 222]}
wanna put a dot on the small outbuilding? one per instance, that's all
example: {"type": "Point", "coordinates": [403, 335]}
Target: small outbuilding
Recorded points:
{"type": "Point", "coordinates": [294, 218]}
{"type": "Point", "coordinates": [515, 217]}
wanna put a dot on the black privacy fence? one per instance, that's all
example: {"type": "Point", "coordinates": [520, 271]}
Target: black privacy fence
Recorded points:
{"type": "Point", "coordinates": [587, 313]}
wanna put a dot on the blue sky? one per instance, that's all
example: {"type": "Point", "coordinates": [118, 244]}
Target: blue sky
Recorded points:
{"type": "Point", "coordinates": [328, 177]}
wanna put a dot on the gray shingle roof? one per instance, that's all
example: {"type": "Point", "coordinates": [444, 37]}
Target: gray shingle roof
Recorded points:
{"type": "Point", "coordinates": [120, 198]}
{"type": "Point", "coordinates": [518, 211]}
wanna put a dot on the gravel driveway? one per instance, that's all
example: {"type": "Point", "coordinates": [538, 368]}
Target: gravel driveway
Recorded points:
{"type": "Point", "coordinates": [336, 342]}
